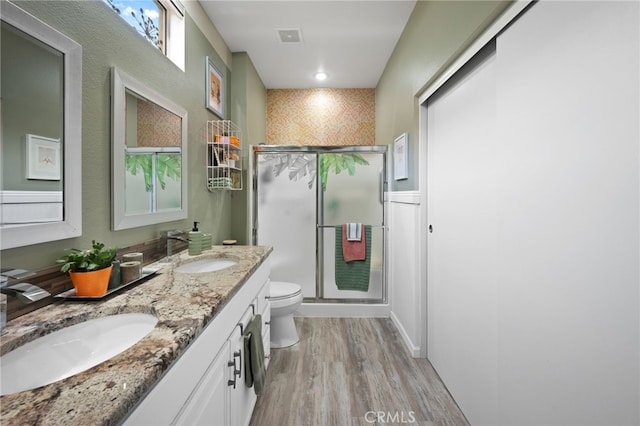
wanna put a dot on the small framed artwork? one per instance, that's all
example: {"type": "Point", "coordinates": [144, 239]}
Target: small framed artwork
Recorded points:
{"type": "Point", "coordinates": [43, 158]}
{"type": "Point", "coordinates": [401, 157]}
{"type": "Point", "coordinates": [215, 89]}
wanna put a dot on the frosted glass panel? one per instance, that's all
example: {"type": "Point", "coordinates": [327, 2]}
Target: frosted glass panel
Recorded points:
{"type": "Point", "coordinates": [353, 198]}
{"type": "Point", "coordinates": [169, 190]}
{"type": "Point", "coordinates": [286, 217]}
{"type": "Point", "coordinates": [137, 197]}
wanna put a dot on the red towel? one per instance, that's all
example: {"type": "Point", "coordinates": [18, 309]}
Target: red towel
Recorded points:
{"type": "Point", "coordinates": [353, 250]}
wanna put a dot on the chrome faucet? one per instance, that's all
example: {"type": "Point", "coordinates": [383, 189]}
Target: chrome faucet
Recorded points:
{"type": "Point", "coordinates": [26, 292]}
{"type": "Point", "coordinates": [173, 235]}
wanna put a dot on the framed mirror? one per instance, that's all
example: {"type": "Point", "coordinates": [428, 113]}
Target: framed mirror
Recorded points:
{"type": "Point", "coordinates": [149, 155]}
{"type": "Point", "coordinates": [40, 141]}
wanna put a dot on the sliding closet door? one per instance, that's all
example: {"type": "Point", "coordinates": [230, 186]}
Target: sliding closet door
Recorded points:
{"type": "Point", "coordinates": [534, 198]}
{"type": "Point", "coordinates": [569, 121]}
{"type": "Point", "coordinates": [462, 291]}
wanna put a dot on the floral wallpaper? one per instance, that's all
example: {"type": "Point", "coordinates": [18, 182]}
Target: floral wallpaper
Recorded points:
{"type": "Point", "coordinates": [320, 117]}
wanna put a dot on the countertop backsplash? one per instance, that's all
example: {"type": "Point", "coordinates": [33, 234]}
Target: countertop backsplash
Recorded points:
{"type": "Point", "coordinates": [56, 282]}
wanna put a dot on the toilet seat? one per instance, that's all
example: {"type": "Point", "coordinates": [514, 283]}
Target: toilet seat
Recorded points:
{"type": "Point", "coordinates": [283, 290]}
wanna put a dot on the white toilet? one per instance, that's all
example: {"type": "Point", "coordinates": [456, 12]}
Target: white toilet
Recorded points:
{"type": "Point", "coordinates": [285, 298]}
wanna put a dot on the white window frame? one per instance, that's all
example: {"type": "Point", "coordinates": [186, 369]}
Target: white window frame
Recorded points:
{"type": "Point", "coordinates": [175, 32]}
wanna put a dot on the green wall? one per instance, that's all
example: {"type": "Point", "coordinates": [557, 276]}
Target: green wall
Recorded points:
{"type": "Point", "coordinates": [249, 112]}
{"type": "Point", "coordinates": [437, 33]}
{"type": "Point", "coordinates": [107, 41]}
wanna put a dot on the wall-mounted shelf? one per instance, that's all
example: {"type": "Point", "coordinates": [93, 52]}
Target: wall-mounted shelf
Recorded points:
{"type": "Point", "coordinates": [224, 160]}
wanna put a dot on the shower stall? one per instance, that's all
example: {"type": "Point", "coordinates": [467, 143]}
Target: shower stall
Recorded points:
{"type": "Point", "coordinates": [302, 197]}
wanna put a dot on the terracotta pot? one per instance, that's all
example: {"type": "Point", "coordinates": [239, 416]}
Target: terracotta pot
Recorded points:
{"type": "Point", "coordinates": [92, 283]}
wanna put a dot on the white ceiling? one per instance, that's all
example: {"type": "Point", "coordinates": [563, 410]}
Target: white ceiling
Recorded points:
{"type": "Point", "coordinates": [349, 40]}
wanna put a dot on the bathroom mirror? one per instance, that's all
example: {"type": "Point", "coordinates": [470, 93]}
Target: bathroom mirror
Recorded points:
{"type": "Point", "coordinates": [149, 155]}
{"type": "Point", "coordinates": [40, 141]}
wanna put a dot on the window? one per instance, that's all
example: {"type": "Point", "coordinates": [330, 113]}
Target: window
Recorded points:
{"type": "Point", "coordinates": [161, 22]}
{"type": "Point", "coordinates": [152, 180]}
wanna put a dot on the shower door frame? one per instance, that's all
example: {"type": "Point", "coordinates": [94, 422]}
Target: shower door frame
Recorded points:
{"type": "Point", "coordinates": [318, 150]}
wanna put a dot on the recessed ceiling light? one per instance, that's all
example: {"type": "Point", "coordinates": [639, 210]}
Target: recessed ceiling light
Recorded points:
{"type": "Point", "coordinates": [321, 76]}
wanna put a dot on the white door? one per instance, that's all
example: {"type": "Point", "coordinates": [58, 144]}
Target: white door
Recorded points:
{"type": "Point", "coordinates": [208, 404]}
{"type": "Point", "coordinates": [534, 199]}
{"type": "Point", "coordinates": [462, 243]}
{"type": "Point", "coordinates": [242, 399]}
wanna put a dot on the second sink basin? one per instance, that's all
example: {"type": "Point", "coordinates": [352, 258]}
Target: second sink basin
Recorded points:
{"type": "Point", "coordinates": [71, 350]}
{"type": "Point", "coordinates": [205, 265]}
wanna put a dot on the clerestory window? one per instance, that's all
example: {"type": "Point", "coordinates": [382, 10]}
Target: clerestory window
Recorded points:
{"type": "Point", "coordinates": [161, 22]}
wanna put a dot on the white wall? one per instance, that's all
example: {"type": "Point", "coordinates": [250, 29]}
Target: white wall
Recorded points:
{"type": "Point", "coordinates": [554, 335]}
{"type": "Point", "coordinates": [406, 293]}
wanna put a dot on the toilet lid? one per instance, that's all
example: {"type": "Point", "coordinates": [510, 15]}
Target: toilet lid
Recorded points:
{"type": "Point", "coordinates": [281, 289]}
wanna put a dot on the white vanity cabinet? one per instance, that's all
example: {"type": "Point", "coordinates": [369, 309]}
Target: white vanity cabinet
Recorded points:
{"type": "Point", "coordinates": [208, 403]}
{"type": "Point", "coordinates": [206, 384]}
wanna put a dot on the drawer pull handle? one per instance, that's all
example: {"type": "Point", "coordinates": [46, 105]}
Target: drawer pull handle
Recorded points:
{"type": "Point", "coordinates": [236, 371]}
{"type": "Point", "coordinates": [267, 322]}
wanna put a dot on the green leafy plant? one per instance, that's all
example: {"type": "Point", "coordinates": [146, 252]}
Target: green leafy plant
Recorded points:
{"type": "Point", "coordinates": [167, 165]}
{"type": "Point", "coordinates": [93, 259]}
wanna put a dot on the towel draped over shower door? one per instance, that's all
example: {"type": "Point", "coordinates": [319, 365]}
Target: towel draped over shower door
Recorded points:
{"type": "Point", "coordinates": [354, 274]}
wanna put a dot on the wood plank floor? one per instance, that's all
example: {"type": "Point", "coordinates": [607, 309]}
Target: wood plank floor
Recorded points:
{"type": "Point", "coordinates": [348, 371]}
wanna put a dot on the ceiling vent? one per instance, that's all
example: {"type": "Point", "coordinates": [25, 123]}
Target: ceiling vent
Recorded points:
{"type": "Point", "coordinates": [289, 35]}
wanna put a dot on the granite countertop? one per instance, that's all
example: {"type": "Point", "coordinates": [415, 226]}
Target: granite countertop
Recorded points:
{"type": "Point", "coordinates": [183, 303]}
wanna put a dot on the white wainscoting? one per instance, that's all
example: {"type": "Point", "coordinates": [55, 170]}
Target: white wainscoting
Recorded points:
{"type": "Point", "coordinates": [405, 289]}
{"type": "Point", "coordinates": [19, 207]}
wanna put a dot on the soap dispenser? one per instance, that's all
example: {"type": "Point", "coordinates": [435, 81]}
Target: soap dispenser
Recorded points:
{"type": "Point", "coordinates": [195, 240]}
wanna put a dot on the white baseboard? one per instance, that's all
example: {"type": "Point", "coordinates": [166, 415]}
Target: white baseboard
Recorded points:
{"type": "Point", "coordinates": [413, 349]}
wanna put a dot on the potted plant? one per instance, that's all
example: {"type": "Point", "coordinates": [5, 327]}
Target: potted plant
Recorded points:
{"type": "Point", "coordinates": [90, 269]}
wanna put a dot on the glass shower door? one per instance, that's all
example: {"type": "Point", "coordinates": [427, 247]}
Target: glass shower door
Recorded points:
{"type": "Point", "coordinates": [286, 215]}
{"type": "Point", "coordinates": [302, 197]}
{"type": "Point", "coordinates": [352, 188]}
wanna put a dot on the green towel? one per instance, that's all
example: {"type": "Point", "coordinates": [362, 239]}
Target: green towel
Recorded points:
{"type": "Point", "coordinates": [353, 275]}
{"type": "Point", "coordinates": [255, 373]}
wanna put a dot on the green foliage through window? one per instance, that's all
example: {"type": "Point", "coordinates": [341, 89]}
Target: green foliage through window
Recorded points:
{"type": "Point", "coordinates": [166, 165]}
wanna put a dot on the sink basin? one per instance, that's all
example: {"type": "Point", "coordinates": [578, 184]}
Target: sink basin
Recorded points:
{"type": "Point", "coordinates": [71, 350]}
{"type": "Point", "coordinates": [205, 265]}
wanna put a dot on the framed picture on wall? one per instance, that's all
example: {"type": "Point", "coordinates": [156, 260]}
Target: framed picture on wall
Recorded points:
{"type": "Point", "coordinates": [400, 157]}
{"type": "Point", "coordinates": [43, 158]}
{"type": "Point", "coordinates": [215, 89]}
